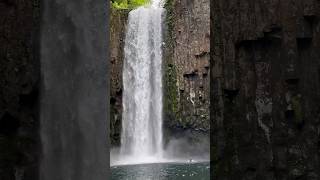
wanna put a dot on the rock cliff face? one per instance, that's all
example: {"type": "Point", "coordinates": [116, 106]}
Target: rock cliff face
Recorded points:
{"type": "Point", "coordinates": [118, 23]}
{"type": "Point", "coordinates": [187, 48]}
{"type": "Point", "coordinates": [19, 77]}
{"type": "Point", "coordinates": [265, 89]}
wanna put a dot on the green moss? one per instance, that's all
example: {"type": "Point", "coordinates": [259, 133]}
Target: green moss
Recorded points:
{"type": "Point", "coordinates": [171, 103]}
{"type": "Point", "coordinates": [171, 99]}
{"type": "Point", "coordinates": [169, 6]}
{"type": "Point", "coordinates": [128, 4]}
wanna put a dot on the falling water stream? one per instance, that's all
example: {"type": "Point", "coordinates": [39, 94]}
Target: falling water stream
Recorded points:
{"type": "Point", "coordinates": [141, 138]}
{"type": "Point", "coordinates": [73, 116]}
{"type": "Point", "coordinates": [142, 155]}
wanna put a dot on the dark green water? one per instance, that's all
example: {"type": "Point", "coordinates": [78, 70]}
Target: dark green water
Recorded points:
{"type": "Point", "coordinates": [172, 171]}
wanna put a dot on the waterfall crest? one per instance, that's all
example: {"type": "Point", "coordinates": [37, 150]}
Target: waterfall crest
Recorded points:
{"type": "Point", "coordinates": [141, 136]}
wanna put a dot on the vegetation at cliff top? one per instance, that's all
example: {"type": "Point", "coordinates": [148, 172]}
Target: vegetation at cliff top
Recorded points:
{"type": "Point", "coordinates": [128, 4]}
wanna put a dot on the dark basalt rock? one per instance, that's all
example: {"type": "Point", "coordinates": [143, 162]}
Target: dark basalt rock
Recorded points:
{"type": "Point", "coordinates": [186, 64]}
{"type": "Point", "coordinates": [269, 51]}
{"type": "Point", "coordinates": [118, 23]}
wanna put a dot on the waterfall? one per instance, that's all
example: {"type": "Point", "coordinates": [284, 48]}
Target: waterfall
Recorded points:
{"type": "Point", "coordinates": [141, 137]}
{"type": "Point", "coordinates": [73, 111]}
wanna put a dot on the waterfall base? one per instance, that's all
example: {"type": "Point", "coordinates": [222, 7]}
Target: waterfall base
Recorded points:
{"type": "Point", "coordinates": [120, 160]}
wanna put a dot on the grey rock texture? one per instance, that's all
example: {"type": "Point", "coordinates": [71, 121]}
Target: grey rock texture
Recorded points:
{"type": "Point", "coordinates": [19, 84]}
{"type": "Point", "coordinates": [186, 55]}
{"type": "Point", "coordinates": [265, 89]}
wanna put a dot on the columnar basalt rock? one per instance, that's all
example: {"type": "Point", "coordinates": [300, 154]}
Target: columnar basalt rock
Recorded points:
{"type": "Point", "coordinates": [265, 89]}
{"type": "Point", "coordinates": [187, 49]}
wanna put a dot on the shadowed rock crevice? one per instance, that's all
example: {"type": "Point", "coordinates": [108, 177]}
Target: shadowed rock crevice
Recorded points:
{"type": "Point", "coordinates": [118, 24]}
{"type": "Point", "coordinates": [19, 84]}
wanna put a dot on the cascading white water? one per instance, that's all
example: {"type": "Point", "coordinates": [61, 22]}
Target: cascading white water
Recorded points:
{"type": "Point", "coordinates": [141, 138]}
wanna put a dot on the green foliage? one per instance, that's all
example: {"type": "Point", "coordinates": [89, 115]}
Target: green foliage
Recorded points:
{"type": "Point", "coordinates": [128, 4]}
